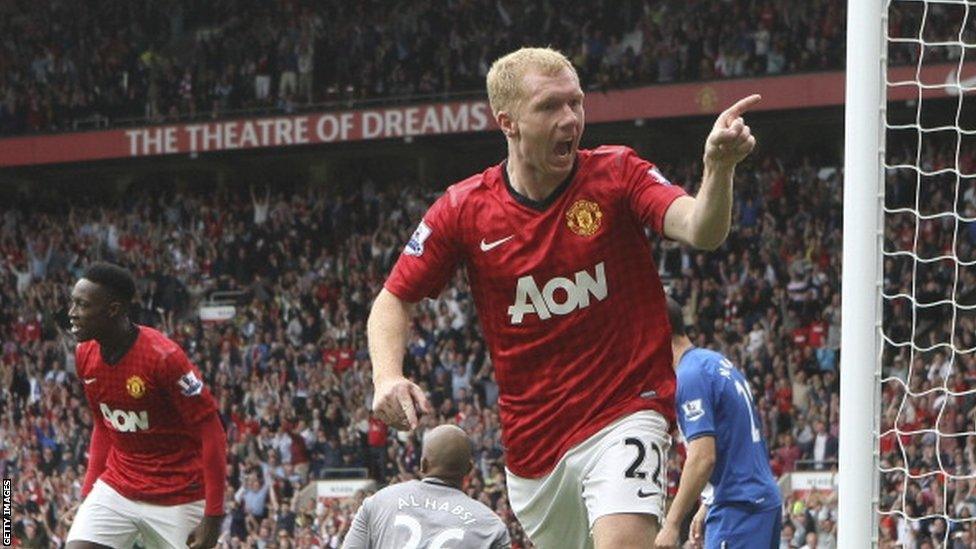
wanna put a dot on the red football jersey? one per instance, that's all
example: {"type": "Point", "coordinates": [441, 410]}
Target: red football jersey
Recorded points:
{"type": "Point", "coordinates": [150, 403]}
{"type": "Point", "coordinates": [568, 295]}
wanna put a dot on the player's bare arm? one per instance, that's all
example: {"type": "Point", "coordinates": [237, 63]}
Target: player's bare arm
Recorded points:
{"type": "Point", "coordinates": [697, 470]}
{"type": "Point", "coordinates": [704, 221]}
{"type": "Point", "coordinates": [397, 401]}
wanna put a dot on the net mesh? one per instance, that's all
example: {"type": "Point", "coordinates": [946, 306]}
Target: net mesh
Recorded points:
{"type": "Point", "coordinates": [927, 435]}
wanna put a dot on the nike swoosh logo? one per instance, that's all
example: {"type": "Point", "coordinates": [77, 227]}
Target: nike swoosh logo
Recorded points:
{"type": "Point", "coordinates": [642, 494]}
{"type": "Point", "coordinates": [90, 380]}
{"type": "Point", "coordinates": [488, 246]}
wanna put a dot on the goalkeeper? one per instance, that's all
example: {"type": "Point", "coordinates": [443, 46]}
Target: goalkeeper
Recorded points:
{"type": "Point", "coordinates": [725, 448]}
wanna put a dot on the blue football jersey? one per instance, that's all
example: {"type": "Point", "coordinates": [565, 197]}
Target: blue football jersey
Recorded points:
{"type": "Point", "coordinates": [713, 399]}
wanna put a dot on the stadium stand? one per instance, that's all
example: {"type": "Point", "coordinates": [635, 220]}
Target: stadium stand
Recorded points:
{"type": "Point", "coordinates": [75, 66]}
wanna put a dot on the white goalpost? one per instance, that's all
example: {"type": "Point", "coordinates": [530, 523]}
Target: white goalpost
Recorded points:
{"type": "Point", "coordinates": [908, 360]}
{"type": "Point", "coordinates": [861, 275]}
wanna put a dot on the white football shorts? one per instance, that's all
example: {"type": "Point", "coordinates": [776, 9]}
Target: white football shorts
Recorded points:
{"type": "Point", "coordinates": [109, 518]}
{"type": "Point", "coordinates": [620, 469]}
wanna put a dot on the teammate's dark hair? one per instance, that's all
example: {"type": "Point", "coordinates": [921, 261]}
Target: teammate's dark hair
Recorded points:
{"type": "Point", "coordinates": [676, 317]}
{"type": "Point", "coordinates": [117, 280]}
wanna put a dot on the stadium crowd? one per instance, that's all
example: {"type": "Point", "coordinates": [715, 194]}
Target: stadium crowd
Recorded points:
{"type": "Point", "coordinates": [75, 65]}
{"type": "Point", "coordinates": [82, 65]}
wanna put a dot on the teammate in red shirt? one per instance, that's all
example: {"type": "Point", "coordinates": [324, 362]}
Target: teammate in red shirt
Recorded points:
{"type": "Point", "coordinates": [570, 303]}
{"type": "Point", "coordinates": [157, 455]}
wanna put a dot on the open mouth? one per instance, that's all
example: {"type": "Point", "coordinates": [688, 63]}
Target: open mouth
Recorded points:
{"type": "Point", "coordinates": [564, 148]}
{"type": "Point", "coordinates": [74, 328]}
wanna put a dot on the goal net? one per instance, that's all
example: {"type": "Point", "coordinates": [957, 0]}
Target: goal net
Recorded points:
{"type": "Point", "coordinates": [925, 436]}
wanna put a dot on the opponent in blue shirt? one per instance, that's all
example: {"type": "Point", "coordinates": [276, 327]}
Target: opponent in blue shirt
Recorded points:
{"type": "Point", "coordinates": [725, 448]}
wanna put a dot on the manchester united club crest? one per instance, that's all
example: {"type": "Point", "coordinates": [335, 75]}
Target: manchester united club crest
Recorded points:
{"type": "Point", "coordinates": [136, 387]}
{"type": "Point", "coordinates": [584, 217]}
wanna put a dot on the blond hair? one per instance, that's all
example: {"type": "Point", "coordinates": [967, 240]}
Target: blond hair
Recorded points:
{"type": "Point", "coordinates": [506, 74]}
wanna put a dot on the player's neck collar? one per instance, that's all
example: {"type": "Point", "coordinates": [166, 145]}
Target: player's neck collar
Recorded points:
{"type": "Point", "coordinates": [539, 205]}
{"type": "Point", "coordinates": [438, 482]}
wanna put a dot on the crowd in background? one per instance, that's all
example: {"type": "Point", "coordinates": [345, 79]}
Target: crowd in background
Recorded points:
{"type": "Point", "coordinates": [69, 65]}
{"type": "Point", "coordinates": [292, 375]}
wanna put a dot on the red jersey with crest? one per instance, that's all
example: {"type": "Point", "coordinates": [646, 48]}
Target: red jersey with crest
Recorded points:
{"type": "Point", "coordinates": [570, 302]}
{"type": "Point", "coordinates": [150, 403]}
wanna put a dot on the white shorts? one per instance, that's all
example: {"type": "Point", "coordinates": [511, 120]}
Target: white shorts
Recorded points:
{"type": "Point", "coordinates": [109, 518]}
{"type": "Point", "coordinates": [620, 469]}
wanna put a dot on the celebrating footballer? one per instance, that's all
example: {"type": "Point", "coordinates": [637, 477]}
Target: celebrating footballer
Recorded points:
{"type": "Point", "coordinates": [157, 452]}
{"type": "Point", "coordinates": [571, 306]}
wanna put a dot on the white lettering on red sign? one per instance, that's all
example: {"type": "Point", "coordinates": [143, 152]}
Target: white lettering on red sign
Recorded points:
{"type": "Point", "coordinates": [308, 129]}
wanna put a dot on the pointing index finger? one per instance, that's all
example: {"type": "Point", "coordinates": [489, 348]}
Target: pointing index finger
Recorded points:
{"type": "Point", "coordinates": [740, 107]}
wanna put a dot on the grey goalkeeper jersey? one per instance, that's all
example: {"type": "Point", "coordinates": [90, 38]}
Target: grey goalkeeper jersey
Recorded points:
{"type": "Point", "coordinates": [425, 514]}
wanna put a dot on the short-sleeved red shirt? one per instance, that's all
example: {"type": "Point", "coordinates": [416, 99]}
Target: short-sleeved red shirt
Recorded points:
{"type": "Point", "coordinates": [567, 292]}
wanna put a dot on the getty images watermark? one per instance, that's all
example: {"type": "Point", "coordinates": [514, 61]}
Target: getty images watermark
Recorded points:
{"type": "Point", "coordinates": [8, 512]}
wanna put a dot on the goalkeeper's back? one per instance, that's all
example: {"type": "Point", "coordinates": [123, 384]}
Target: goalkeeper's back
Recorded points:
{"type": "Point", "coordinates": [425, 513]}
{"type": "Point", "coordinates": [432, 512]}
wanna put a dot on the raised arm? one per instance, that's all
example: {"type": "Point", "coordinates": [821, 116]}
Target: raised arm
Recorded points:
{"type": "Point", "coordinates": [704, 221]}
{"type": "Point", "coordinates": [396, 400]}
